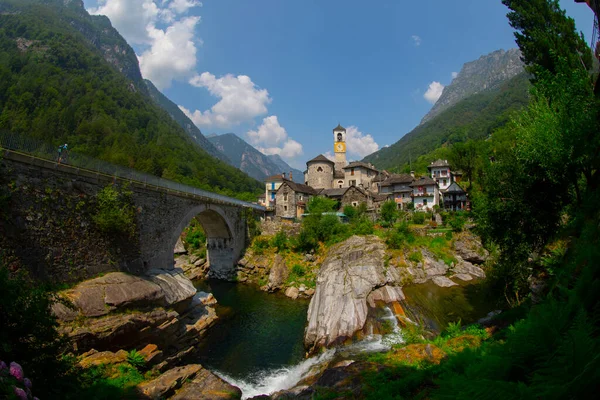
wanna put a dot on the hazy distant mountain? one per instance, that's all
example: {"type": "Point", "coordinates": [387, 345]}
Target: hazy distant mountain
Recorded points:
{"type": "Point", "coordinates": [162, 101]}
{"type": "Point", "coordinates": [486, 73]}
{"type": "Point", "coordinates": [252, 161]}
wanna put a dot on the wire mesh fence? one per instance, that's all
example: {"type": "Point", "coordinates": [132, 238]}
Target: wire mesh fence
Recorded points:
{"type": "Point", "coordinates": [39, 149]}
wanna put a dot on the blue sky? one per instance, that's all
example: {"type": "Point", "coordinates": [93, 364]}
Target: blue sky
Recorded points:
{"type": "Point", "coordinates": [282, 73]}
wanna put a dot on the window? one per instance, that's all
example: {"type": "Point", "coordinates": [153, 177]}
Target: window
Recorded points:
{"type": "Point", "coordinates": [355, 203]}
{"type": "Point", "coordinates": [272, 185]}
{"type": "Point", "coordinates": [300, 197]}
{"type": "Point", "coordinates": [272, 195]}
{"type": "Point", "coordinates": [319, 169]}
{"type": "Point", "coordinates": [339, 137]}
{"type": "Point", "coordinates": [352, 183]}
{"type": "Point", "coordinates": [444, 182]}
{"type": "Point", "coordinates": [352, 171]}
{"type": "Point", "coordinates": [284, 208]}
{"type": "Point", "coordinates": [285, 197]}
{"type": "Point", "coordinates": [424, 202]}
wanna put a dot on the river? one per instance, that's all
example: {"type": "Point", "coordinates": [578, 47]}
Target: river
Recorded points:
{"type": "Point", "coordinates": [257, 344]}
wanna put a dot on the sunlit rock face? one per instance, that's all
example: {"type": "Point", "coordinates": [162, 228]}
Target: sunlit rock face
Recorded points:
{"type": "Point", "coordinates": [351, 276]}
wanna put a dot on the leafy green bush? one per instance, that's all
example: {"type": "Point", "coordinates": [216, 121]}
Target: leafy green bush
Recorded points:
{"type": "Point", "coordinates": [457, 221]}
{"type": "Point", "coordinates": [418, 218]}
{"type": "Point", "coordinates": [363, 227]}
{"type": "Point", "coordinates": [259, 245]}
{"type": "Point", "coordinates": [448, 235]}
{"type": "Point", "coordinates": [389, 213]}
{"type": "Point", "coordinates": [350, 212]}
{"type": "Point", "coordinates": [280, 241]}
{"type": "Point", "coordinates": [115, 213]}
{"type": "Point", "coordinates": [136, 359]}
{"type": "Point", "coordinates": [298, 270]}
{"type": "Point", "coordinates": [415, 256]}
{"type": "Point", "coordinates": [195, 238]}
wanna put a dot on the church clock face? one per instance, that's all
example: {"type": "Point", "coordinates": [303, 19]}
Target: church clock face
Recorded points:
{"type": "Point", "coordinates": [340, 147]}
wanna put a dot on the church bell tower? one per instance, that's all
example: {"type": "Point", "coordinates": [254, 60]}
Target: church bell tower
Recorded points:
{"type": "Point", "coordinates": [339, 147]}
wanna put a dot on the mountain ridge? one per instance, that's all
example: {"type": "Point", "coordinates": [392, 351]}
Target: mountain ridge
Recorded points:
{"type": "Point", "coordinates": [250, 160]}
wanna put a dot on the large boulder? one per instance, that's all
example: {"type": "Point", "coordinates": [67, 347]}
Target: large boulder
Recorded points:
{"type": "Point", "coordinates": [278, 274]}
{"type": "Point", "coordinates": [207, 386]}
{"type": "Point", "coordinates": [470, 249]}
{"type": "Point", "coordinates": [465, 267]}
{"type": "Point", "coordinates": [352, 270]}
{"type": "Point", "coordinates": [166, 384]}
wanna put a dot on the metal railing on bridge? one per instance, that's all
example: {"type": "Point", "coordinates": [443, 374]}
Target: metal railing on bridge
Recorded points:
{"type": "Point", "coordinates": [43, 150]}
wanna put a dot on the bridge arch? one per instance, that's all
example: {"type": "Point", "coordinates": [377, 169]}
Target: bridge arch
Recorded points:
{"type": "Point", "coordinates": [223, 245]}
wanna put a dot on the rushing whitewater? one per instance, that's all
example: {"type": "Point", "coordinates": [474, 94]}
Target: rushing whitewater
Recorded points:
{"type": "Point", "coordinates": [271, 381]}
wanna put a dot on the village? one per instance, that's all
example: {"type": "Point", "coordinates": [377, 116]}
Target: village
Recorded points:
{"type": "Point", "coordinates": [355, 183]}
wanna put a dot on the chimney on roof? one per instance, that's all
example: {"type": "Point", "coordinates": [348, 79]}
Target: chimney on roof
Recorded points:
{"type": "Point", "coordinates": [290, 175]}
{"type": "Point", "coordinates": [412, 173]}
{"type": "Point", "coordinates": [283, 175]}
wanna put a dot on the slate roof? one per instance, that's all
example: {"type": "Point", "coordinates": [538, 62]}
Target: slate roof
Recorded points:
{"type": "Point", "coordinates": [339, 128]}
{"type": "Point", "coordinates": [395, 179]}
{"type": "Point", "coordinates": [337, 174]}
{"type": "Point", "coordinates": [423, 181]}
{"type": "Point", "coordinates": [337, 192]}
{"type": "Point", "coordinates": [300, 188]}
{"type": "Point", "coordinates": [358, 164]}
{"type": "Point", "coordinates": [454, 188]}
{"type": "Point", "coordinates": [381, 176]}
{"type": "Point", "coordinates": [320, 158]}
{"type": "Point", "coordinates": [439, 163]}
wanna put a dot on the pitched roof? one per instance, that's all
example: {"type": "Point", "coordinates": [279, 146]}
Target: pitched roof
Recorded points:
{"type": "Point", "coordinates": [320, 158]}
{"type": "Point", "coordinates": [337, 192]}
{"type": "Point", "coordinates": [339, 128]}
{"type": "Point", "coordinates": [337, 174]}
{"type": "Point", "coordinates": [424, 180]}
{"type": "Point", "coordinates": [358, 164]}
{"type": "Point", "coordinates": [454, 188]}
{"type": "Point", "coordinates": [439, 163]}
{"type": "Point", "coordinates": [276, 178]}
{"type": "Point", "coordinates": [395, 179]}
{"type": "Point", "coordinates": [299, 187]}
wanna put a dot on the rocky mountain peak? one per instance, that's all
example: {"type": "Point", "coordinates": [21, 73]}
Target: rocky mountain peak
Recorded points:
{"type": "Point", "coordinates": [477, 76]}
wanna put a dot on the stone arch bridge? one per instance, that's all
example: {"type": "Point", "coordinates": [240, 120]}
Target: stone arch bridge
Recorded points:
{"type": "Point", "coordinates": [164, 209]}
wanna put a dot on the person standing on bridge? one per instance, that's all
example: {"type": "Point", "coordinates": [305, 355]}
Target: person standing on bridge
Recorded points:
{"type": "Point", "coordinates": [62, 153]}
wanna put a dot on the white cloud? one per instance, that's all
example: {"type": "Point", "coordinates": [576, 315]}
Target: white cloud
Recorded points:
{"type": "Point", "coordinates": [358, 143]}
{"type": "Point", "coordinates": [240, 100]}
{"type": "Point", "coordinates": [434, 92]}
{"type": "Point", "coordinates": [181, 6]}
{"type": "Point", "coordinates": [454, 75]}
{"type": "Point", "coordinates": [168, 53]}
{"type": "Point", "coordinates": [416, 40]}
{"type": "Point", "coordinates": [329, 155]}
{"type": "Point", "coordinates": [271, 138]}
{"type": "Point", "coordinates": [172, 54]}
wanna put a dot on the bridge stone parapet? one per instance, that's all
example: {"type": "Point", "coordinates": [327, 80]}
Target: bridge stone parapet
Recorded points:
{"type": "Point", "coordinates": [47, 224]}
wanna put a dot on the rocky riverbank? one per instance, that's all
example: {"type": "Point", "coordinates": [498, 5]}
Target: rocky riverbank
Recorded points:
{"type": "Point", "coordinates": [160, 315]}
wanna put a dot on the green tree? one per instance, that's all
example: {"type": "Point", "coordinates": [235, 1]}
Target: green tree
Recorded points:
{"type": "Point", "coordinates": [466, 157]}
{"type": "Point", "coordinates": [543, 33]}
{"type": "Point", "coordinates": [389, 212]}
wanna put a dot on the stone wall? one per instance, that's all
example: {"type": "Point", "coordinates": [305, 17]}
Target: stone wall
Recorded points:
{"type": "Point", "coordinates": [320, 180]}
{"type": "Point", "coordinates": [353, 195]}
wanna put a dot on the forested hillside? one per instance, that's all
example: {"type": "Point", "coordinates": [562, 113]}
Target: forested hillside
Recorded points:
{"type": "Point", "coordinates": [56, 85]}
{"type": "Point", "coordinates": [475, 117]}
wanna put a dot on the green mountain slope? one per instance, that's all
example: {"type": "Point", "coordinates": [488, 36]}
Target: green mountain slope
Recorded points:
{"type": "Point", "coordinates": [250, 160]}
{"type": "Point", "coordinates": [58, 86]}
{"type": "Point", "coordinates": [472, 118]}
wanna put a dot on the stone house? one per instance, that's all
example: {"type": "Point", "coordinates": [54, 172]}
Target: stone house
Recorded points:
{"type": "Point", "coordinates": [348, 196]}
{"type": "Point", "coordinates": [397, 188]}
{"type": "Point", "coordinates": [319, 172]}
{"type": "Point", "coordinates": [455, 198]}
{"type": "Point", "coordinates": [360, 174]}
{"type": "Point", "coordinates": [291, 199]}
{"type": "Point", "coordinates": [425, 193]}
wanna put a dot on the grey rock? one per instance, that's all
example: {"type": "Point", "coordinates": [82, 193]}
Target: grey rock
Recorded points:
{"type": "Point", "coordinates": [471, 251]}
{"type": "Point", "coordinates": [465, 267]}
{"type": "Point", "coordinates": [292, 292]}
{"type": "Point", "coordinates": [443, 281]}
{"type": "Point", "coordinates": [278, 274]}
{"type": "Point", "coordinates": [179, 248]}
{"type": "Point", "coordinates": [463, 277]}
{"type": "Point", "coordinates": [351, 271]}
